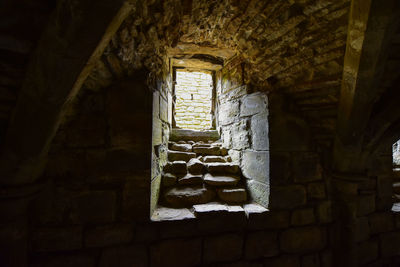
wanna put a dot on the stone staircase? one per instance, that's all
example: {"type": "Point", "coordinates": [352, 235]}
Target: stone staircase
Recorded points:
{"type": "Point", "coordinates": [198, 173]}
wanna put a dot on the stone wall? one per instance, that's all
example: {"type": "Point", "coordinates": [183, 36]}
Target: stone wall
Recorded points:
{"type": "Point", "coordinates": [193, 91]}
{"type": "Point", "coordinates": [396, 153]}
{"type": "Point", "coordinates": [243, 123]}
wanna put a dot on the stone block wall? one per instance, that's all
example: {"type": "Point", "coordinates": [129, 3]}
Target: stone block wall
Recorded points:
{"type": "Point", "coordinates": [193, 91]}
{"type": "Point", "coordinates": [243, 123]}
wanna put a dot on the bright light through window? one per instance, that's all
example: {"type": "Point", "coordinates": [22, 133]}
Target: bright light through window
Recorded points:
{"type": "Point", "coordinates": [193, 92]}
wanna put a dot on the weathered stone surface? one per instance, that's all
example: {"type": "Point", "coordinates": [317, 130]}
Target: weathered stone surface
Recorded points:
{"type": "Point", "coordinates": [195, 166]}
{"type": "Point", "coordinates": [221, 180]}
{"type": "Point", "coordinates": [216, 217]}
{"type": "Point", "coordinates": [302, 240]}
{"type": "Point", "coordinates": [125, 256]}
{"type": "Point", "coordinates": [168, 179]}
{"type": "Point", "coordinates": [240, 135]}
{"type": "Point", "coordinates": [260, 218]}
{"type": "Point", "coordinates": [207, 150]}
{"type": "Point", "coordinates": [190, 179]}
{"type": "Point", "coordinates": [181, 147]}
{"type": "Point", "coordinates": [367, 252]}
{"type": "Point", "coordinates": [303, 217]}
{"type": "Point", "coordinates": [232, 195]}
{"type": "Point", "coordinates": [224, 151]}
{"type": "Point", "coordinates": [186, 196]}
{"type": "Point", "coordinates": [381, 222]}
{"type": "Point", "coordinates": [258, 192]}
{"type": "Point", "coordinates": [57, 239]}
{"type": "Point", "coordinates": [261, 245]}
{"type": "Point", "coordinates": [208, 159]}
{"type": "Point", "coordinates": [108, 235]}
{"type": "Point", "coordinates": [306, 167]}
{"type": "Point", "coordinates": [222, 168]}
{"type": "Point", "coordinates": [176, 167]}
{"type": "Point", "coordinates": [168, 214]}
{"type": "Point", "coordinates": [178, 252]}
{"type": "Point", "coordinates": [178, 155]}
{"type": "Point", "coordinates": [253, 103]}
{"type": "Point", "coordinates": [192, 135]}
{"type": "Point", "coordinates": [223, 248]}
{"type": "Point", "coordinates": [228, 112]}
{"type": "Point", "coordinates": [255, 165]}
{"type": "Point", "coordinates": [287, 197]}
{"type": "Point", "coordinates": [316, 191]}
{"type": "Point", "coordinates": [259, 129]}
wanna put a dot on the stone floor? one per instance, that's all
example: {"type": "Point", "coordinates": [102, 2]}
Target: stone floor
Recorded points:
{"type": "Point", "coordinates": [198, 173]}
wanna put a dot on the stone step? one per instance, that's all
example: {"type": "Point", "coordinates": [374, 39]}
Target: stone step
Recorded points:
{"type": "Point", "coordinates": [189, 195]}
{"type": "Point", "coordinates": [178, 155]}
{"type": "Point", "coordinates": [168, 179]}
{"type": "Point", "coordinates": [195, 166]}
{"type": "Point", "coordinates": [225, 168]}
{"type": "Point", "coordinates": [396, 188]}
{"type": "Point", "coordinates": [190, 179]}
{"type": "Point", "coordinates": [209, 159]}
{"type": "Point", "coordinates": [232, 195]}
{"type": "Point", "coordinates": [221, 180]}
{"type": "Point", "coordinates": [181, 147]}
{"type": "Point", "coordinates": [207, 150]}
{"type": "Point", "coordinates": [176, 167]}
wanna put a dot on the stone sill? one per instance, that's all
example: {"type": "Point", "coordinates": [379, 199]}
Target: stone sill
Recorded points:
{"type": "Point", "coordinates": [210, 211]}
{"type": "Point", "coordinates": [193, 135]}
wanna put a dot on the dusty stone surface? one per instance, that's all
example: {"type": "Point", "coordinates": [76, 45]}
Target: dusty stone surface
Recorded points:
{"type": "Point", "coordinates": [232, 195]}
{"type": "Point", "coordinates": [177, 155]}
{"type": "Point", "coordinates": [186, 196]}
{"type": "Point", "coordinates": [259, 129]}
{"type": "Point", "coordinates": [255, 166]}
{"type": "Point", "coordinates": [190, 179]}
{"type": "Point", "coordinates": [195, 166]}
{"type": "Point", "coordinates": [181, 147]}
{"type": "Point", "coordinates": [208, 159]}
{"type": "Point", "coordinates": [221, 180]}
{"type": "Point", "coordinates": [168, 214]}
{"type": "Point", "coordinates": [207, 150]}
{"type": "Point", "coordinates": [168, 179]}
{"type": "Point", "coordinates": [222, 168]}
{"type": "Point", "coordinates": [176, 167]}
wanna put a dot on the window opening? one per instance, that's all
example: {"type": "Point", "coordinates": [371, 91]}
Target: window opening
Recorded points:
{"type": "Point", "coordinates": [396, 172]}
{"type": "Point", "coordinates": [193, 105]}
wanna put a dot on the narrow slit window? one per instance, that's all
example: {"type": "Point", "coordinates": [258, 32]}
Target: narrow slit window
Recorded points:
{"type": "Point", "coordinates": [193, 106]}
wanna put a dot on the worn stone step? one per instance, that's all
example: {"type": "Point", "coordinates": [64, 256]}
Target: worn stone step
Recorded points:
{"type": "Point", "coordinates": [176, 167]}
{"type": "Point", "coordinates": [232, 195]}
{"type": "Point", "coordinates": [396, 188]}
{"type": "Point", "coordinates": [209, 159]}
{"type": "Point", "coordinates": [181, 147]}
{"type": "Point", "coordinates": [225, 168]}
{"type": "Point", "coordinates": [195, 166]}
{"type": "Point", "coordinates": [168, 179]}
{"type": "Point", "coordinates": [204, 150]}
{"type": "Point", "coordinates": [189, 195]}
{"type": "Point", "coordinates": [190, 179]}
{"type": "Point", "coordinates": [201, 144]}
{"type": "Point", "coordinates": [221, 180]}
{"type": "Point", "coordinates": [178, 155]}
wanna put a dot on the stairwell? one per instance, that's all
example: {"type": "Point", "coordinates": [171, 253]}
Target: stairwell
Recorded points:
{"type": "Point", "coordinates": [201, 172]}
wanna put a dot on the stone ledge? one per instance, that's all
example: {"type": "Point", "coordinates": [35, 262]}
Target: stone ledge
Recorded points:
{"type": "Point", "coordinates": [193, 135]}
{"type": "Point", "coordinates": [208, 210]}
